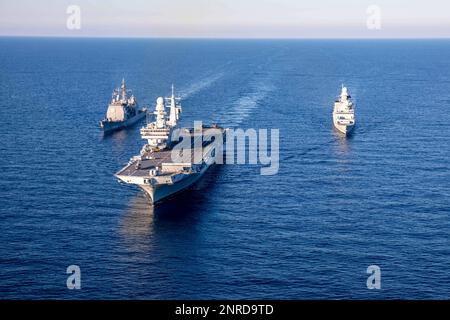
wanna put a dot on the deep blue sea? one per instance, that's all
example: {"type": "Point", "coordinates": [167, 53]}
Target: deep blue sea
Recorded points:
{"type": "Point", "coordinates": [380, 197]}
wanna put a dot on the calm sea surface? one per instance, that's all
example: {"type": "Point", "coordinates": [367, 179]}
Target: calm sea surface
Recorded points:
{"type": "Point", "coordinates": [381, 197]}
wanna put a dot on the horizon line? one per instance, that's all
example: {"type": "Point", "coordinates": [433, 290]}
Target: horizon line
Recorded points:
{"type": "Point", "coordinates": [223, 38]}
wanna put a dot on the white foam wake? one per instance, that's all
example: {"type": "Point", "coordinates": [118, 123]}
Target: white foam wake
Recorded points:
{"type": "Point", "coordinates": [245, 105]}
{"type": "Point", "coordinates": [198, 86]}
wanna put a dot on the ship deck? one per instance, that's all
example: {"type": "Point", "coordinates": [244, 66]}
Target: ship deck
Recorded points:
{"type": "Point", "coordinates": [140, 168]}
{"type": "Point", "coordinates": [151, 160]}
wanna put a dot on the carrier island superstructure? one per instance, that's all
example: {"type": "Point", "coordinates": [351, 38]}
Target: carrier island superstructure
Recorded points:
{"type": "Point", "coordinates": [154, 170]}
{"type": "Point", "coordinates": [344, 113]}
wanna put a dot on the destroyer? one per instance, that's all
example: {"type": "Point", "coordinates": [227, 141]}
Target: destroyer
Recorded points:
{"type": "Point", "coordinates": [122, 111]}
{"type": "Point", "coordinates": [154, 170]}
{"type": "Point", "coordinates": [344, 113]}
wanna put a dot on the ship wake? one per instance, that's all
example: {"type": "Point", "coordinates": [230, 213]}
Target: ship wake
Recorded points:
{"type": "Point", "coordinates": [198, 86]}
{"type": "Point", "coordinates": [245, 105]}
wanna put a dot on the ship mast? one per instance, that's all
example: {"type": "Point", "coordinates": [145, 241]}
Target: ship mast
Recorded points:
{"type": "Point", "coordinates": [174, 108]}
{"type": "Point", "coordinates": [344, 93]}
{"type": "Point", "coordinates": [124, 90]}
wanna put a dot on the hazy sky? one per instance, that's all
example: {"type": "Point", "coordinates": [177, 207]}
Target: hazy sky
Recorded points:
{"type": "Point", "coordinates": [227, 18]}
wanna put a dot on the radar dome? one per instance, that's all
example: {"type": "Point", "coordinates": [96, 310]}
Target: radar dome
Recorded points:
{"type": "Point", "coordinates": [160, 100]}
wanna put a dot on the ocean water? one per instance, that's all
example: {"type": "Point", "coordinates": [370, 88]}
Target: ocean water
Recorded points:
{"type": "Point", "coordinates": [380, 197]}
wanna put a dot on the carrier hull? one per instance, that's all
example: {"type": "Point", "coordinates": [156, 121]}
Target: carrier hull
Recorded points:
{"type": "Point", "coordinates": [159, 193]}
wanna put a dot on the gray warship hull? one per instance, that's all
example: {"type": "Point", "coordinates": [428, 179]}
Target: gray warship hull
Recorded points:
{"type": "Point", "coordinates": [110, 126]}
{"type": "Point", "coordinates": [345, 129]}
{"type": "Point", "coordinates": [159, 193]}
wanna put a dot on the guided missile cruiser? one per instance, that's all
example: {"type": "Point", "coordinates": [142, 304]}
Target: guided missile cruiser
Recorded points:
{"type": "Point", "coordinates": [123, 111]}
{"type": "Point", "coordinates": [164, 166]}
{"type": "Point", "coordinates": [344, 113]}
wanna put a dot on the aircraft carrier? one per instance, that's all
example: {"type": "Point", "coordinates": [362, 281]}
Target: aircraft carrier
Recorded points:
{"type": "Point", "coordinates": [164, 167]}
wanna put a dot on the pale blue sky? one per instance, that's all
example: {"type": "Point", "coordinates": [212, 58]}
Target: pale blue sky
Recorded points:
{"type": "Point", "coordinates": [227, 18]}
